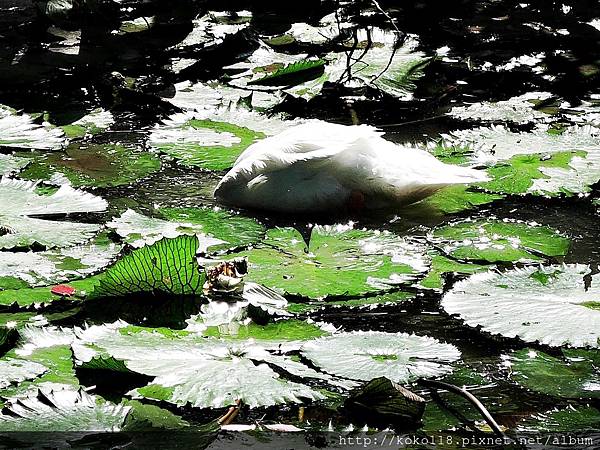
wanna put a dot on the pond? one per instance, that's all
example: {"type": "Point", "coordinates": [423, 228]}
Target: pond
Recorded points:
{"type": "Point", "coordinates": [136, 310]}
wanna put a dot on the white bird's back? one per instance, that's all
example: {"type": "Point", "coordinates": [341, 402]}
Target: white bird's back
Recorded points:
{"type": "Point", "coordinates": [319, 166]}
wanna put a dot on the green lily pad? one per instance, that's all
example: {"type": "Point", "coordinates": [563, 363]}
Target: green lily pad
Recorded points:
{"type": "Point", "coordinates": [213, 139]}
{"type": "Point", "coordinates": [233, 228]}
{"type": "Point", "coordinates": [372, 302]}
{"type": "Point", "coordinates": [33, 269]}
{"type": "Point", "coordinates": [62, 410]}
{"type": "Point", "coordinates": [520, 110]}
{"type": "Point", "coordinates": [399, 357]}
{"type": "Point", "coordinates": [338, 261]}
{"type": "Point", "coordinates": [441, 265]}
{"type": "Point", "coordinates": [565, 420]}
{"type": "Point", "coordinates": [143, 417]}
{"type": "Point", "coordinates": [97, 165]}
{"type": "Point", "coordinates": [167, 267]}
{"type": "Point", "coordinates": [500, 241]}
{"type": "Point", "coordinates": [574, 376]}
{"type": "Point", "coordinates": [281, 330]}
{"type": "Point", "coordinates": [549, 304]}
{"type": "Point", "coordinates": [14, 371]}
{"type": "Point", "coordinates": [10, 164]}
{"type": "Point", "coordinates": [455, 199]}
{"type": "Point", "coordinates": [19, 131]}
{"type": "Point", "coordinates": [92, 123]}
{"type": "Point", "coordinates": [20, 201]}
{"type": "Point", "coordinates": [185, 367]}
{"type": "Point", "coordinates": [42, 296]}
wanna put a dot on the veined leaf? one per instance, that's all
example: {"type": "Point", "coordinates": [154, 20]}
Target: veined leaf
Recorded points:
{"type": "Point", "coordinates": [574, 376]}
{"type": "Point", "coordinates": [20, 201]}
{"type": "Point", "coordinates": [552, 304]}
{"type": "Point", "coordinates": [292, 73]}
{"type": "Point", "coordinates": [192, 369]}
{"type": "Point", "coordinates": [19, 131]}
{"type": "Point", "coordinates": [399, 357]}
{"type": "Point", "coordinates": [338, 261]}
{"type": "Point", "coordinates": [497, 241]}
{"type": "Point", "coordinates": [167, 267]}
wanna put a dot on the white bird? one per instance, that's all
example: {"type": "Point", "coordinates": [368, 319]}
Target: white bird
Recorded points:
{"type": "Point", "coordinates": [326, 167]}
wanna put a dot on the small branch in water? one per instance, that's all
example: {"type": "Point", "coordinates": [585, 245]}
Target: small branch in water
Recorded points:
{"type": "Point", "coordinates": [231, 414]}
{"type": "Point", "coordinates": [470, 397]}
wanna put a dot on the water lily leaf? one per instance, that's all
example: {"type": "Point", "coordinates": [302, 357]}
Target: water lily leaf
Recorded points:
{"type": "Point", "coordinates": [355, 303]}
{"type": "Point", "coordinates": [63, 410]}
{"type": "Point", "coordinates": [575, 376]}
{"type": "Point", "coordinates": [338, 261]}
{"type": "Point", "coordinates": [399, 357]}
{"type": "Point", "coordinates": [390, 68]}
{"type": "Point", "coordinates": [281, 330]}
{"type": "Point", "coordinates": [231, 227]}
{"type": "Point", "coordinates": [231, 316]}
{"type": "Point", "coordinates": [16, 370]}
{"type": "Point", "coordinates": [291, 73]}
{"type": "Point", "coordinates": [139, 230]}
{"type": "Point", "coordinates": [553, 305]}
{"type": "Point", "coordinates": [497, 143]}
{"type": "Point", "coordinates": [497, 241]}
{"type": "Point", "coordinates": [562, 173]}
{"type": "Point", "coordinates": [94, 122]}
{"type": "Point", "coordinates": [327, 30]}
{"type": "Point", "coordinates": [213, 139]}
{"type": "Point", "coordinates": [57, 265]}
{"type": "Point", "coordinates": [441, 265]}
{"type": "Point", "coordinates": [193, 369]}
{"type": "Point", "coordinates": [142, 417]}
{"type": "Point", "coordinates": [19, 131]}
{"type": "Point", "coordinates": [212, 95]}
{"type": "Point", "coordinates": [11, 164]}
{"type": "Point", "coordinates": [167, 267]}
{"type": "Point", "coordinates": [455, 199]}
{"type": "Point", "coordinates": [565, 420]}
{"type": "Point", "coordinates": [49, 347]}
{"type": "Point", "coordinates": [520, 109]}
{"type": "Point", "coordinates": [42, 296]}
{"type": "Point", "coordinates": [20, 201]}
{"type": "Point", "coordinates": [212, 29]}
{"type": "Point", "coordinates": [97, 165]}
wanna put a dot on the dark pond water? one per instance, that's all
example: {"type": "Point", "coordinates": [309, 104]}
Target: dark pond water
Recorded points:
{"type": "Point", "coordinates": [477, 32]}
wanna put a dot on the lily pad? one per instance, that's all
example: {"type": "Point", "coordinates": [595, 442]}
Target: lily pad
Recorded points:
{"type": "Point", "coordinates": [11, 164]}
{"type": "Point", "coordinates": [97, 165]}
{"type": "Point", "coordinates": [57, 265]}
{"type": "Point", "coordinates": [455, 199]}
{"type": "Point", "coordinates": [42, 296]}
{"type": "Point", "coordinates": [167, 267]}
{"type": "Point", "coordinates": [500, 241]}
{"type": "Point", "coordinates": [441, 265]}
{"type": "Point", "coordinates": [20, 201]}
{"type": "Point", "coordinates": [553, 305]}
{"type": "Point", "coordinates": [63, 410]}
{"type": "Point", "coordinates": [520, 109]}
{"type": "Point", "coordinates": [196, 370]}
{"type": "Point", "coordinates": [565, 420]}
{"type": "Point", "coordinates": [139, 230]}
{"type": "Point", "coordinates": [365, 303]}
{"type": "Point", "coordinates": [234, 229]}
{"type": "Point", "coordinates": [390, 68]}
{"type": "Point", "coordinates": [281, 330]}
{"type": "Point", "coordinates": [399, 357]}
{"type": "Point", "coordinates": [575, 376]}
{"type": "Point", "coordinates": [19, 131]}
{"type": "Point", "coordinates": [14, 371]}
{"type": "Point", "coordinates": [338, 261]}
{"type": "Point", "coordinates": [211, 141]}
{"type": "Point", "coordinates": [92, 123]}
{"type": "Point", "coordinates": [212, 29]}
{"type": "Point", "coordinates": [496, 143]}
